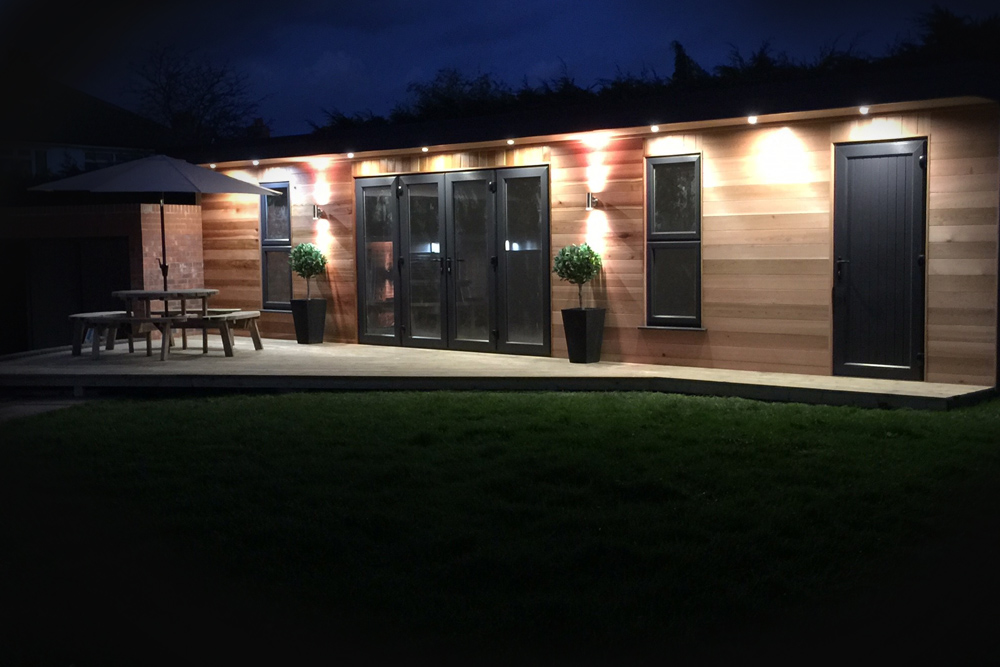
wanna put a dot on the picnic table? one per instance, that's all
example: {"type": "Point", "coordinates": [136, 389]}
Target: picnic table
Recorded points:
{"type": "Point", "coordinates": [179, 309]}
{"type": "Point", "coordinates": [140, 305]}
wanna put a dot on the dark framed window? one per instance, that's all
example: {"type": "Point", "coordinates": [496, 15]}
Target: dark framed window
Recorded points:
{"type": "Point", "coordinates": [275, 248]}
{"type": "Point", "coordinates": [673, 241]}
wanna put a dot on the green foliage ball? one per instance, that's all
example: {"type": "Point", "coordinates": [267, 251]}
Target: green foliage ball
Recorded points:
{"type": "Point", "coordinates": [307, 261]}
{"type": "Point", "coordinates": [577, 264]}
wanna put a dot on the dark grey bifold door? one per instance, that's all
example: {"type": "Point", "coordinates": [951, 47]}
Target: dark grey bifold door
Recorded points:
{"type": "Point", "coordinates": [523, 260]}
{"type": "Point", "coordinates": [457, 260]}
{"type": "Point", "coordinates": [379, 306]}
{"type": "Point", "coordinates": [422, 270]}
{"type": "Point", "coordinates": [878, 289]}
{"type": "Point", "coordinates": [470, 264]}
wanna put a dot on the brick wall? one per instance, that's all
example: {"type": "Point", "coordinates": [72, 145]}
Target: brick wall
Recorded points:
{"type": "Point", "coordinates": [182, 225]}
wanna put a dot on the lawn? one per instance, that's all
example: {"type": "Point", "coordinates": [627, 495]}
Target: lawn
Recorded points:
{"type": "Point", "coordinates": [515, 527]}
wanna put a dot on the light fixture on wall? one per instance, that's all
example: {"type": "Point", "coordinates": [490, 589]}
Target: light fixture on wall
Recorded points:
{"type": "Point", "coordinates": [592, 201]}
{"type": "Point", "coordinates": [752, 120]}
{"type": "Point", "coordinates": [319, 213]}
{"type": "Point", "coordinates": [863, 110]}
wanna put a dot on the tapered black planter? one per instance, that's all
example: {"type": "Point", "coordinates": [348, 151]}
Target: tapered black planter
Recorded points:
{"type": "Point", "coordinates": [309, 316]}
{"type": "Point", "coordinates": [584, 334]}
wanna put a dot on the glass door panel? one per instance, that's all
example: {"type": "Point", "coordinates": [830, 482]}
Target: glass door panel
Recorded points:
{"type": "Point", "coordinates": [469, 267]}
{"type": "Point", "coordinates": [377, 274]}
{"type": "Point", "coordinates": [524, 261]}
{"type": "Point", "coordinates": [423, 238]}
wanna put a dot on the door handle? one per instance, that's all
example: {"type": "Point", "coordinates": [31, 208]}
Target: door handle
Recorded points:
{"type": "Point", "coordinates": [448, 264]}
{"type": "Point", "coordinates": [839, 264]}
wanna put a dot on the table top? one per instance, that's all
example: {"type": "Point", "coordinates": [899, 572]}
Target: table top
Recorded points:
{"type": "Point", "coordinates": [198, 293]}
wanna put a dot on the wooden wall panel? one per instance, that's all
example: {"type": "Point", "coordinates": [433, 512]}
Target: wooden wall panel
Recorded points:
{"type": "Point", "coordinates": [767, 237]}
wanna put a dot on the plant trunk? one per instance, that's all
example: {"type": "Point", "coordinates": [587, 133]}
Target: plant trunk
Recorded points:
{"type": "Point", "coordinates": [580, 289]}
{"type": "Point", "coordinates": [307, 288]}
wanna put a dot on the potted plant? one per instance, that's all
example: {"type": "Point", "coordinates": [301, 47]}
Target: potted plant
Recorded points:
{"type": "Point", "coordinates": [308, 314]}
{"type": "Point", "coordinates": [584, 327]}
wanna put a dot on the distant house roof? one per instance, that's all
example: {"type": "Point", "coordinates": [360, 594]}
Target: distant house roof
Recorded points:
{"type": "Point", "coordinates": [44, 111]}
{"type": "Point", "coordinates": [871, 86]}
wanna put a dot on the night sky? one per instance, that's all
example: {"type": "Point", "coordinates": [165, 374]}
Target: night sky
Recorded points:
{"type": "Point", "coordinates": [303, 57]}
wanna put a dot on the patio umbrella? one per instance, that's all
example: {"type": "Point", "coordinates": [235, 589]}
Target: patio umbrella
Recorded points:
{"type": "Point", "coordinates": [156, 173]}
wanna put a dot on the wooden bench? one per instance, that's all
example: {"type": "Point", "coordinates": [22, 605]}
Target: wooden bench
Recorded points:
{"type": "Point", "coordinates": [99, 322]}
{"type": "Point", "coordinates": [226, 321]}
{"type": "Point", "coordinates": [108, 322]}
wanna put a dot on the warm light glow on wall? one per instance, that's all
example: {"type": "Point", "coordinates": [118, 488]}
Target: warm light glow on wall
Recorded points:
{"type": "Point", "coordinates": [319, 163]}
{"type": "Point", "coordinates": [597, 172]}
{"type": "Point", "coordinates": [875, 129]}
{"type": "Point", "coordinates": [243, 176]}
{"type": "Point", "coordinates": [780, 156]}
{"type": "Point", "coordinates": [322, 193]}
{"type": "Point", "coordinates": [596, 140]}
{"type": "Point", "coordinates": [675, 144]}
{"type": "Point", "coordinates": [275, 174]}
{"type": "Point", "coordinates": [597, 231]}
{"type": "Point", "coordinates": [323, 236]}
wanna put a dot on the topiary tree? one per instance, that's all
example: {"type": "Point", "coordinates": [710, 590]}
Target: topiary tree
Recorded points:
{"type": "Point", "coordinates": [577, 264]}
{"type": "Point", "coordinates": [307, 261]}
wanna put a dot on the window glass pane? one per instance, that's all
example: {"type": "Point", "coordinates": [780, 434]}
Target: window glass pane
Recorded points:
{"type": "Point", "coordinates": [425, 260]}
{"type": "Point", "coordinates": [527, 267]}
{"type": "Point", "coordinates": [380, 281]}
{"type": "Point", "coordinates": [673, 275]}
{"type": "Point", "coordinates": [675, 197]}
{"type": "Point", "coordinates": [277, 219]}
{"type": "Point", "coordinates": [278, 288]}
{"type": "Point", "coordinates": [473, 204]}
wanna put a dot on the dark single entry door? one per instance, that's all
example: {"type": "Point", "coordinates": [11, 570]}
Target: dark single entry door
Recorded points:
{"type": "Point", "coordinates": [878, 242]}
{"type": "Point", "coordinates": [457, 260]}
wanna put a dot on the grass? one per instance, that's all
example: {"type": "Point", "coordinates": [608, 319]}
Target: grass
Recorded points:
{"type": "Point", "coordinates": [523, 524]}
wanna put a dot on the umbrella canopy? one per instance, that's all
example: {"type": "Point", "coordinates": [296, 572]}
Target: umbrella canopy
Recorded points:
{"type": "Point", "coordinates": [157, 173]}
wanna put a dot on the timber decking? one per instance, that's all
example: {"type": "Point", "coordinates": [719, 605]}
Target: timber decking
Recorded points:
{"type": "Point", "coordinates": [285, 365]}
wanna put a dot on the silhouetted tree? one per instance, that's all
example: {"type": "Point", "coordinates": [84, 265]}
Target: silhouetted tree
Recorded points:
{"type": "Point", "coordinates": [199, 101]}
{"type": "Point", "coordinates": [686, 71]}
{"type": "Point", "coordinates": [943, 37]}
{"type": "Point", "coordinates": [450, 94]}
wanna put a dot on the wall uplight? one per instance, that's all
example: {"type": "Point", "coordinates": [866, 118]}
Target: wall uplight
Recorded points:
{"type": "Point", "coordinates": [592, 201]}
{"type": "Point", "coordinates": [864, 110]}
{"type": "Point", "coordinates": [752, 120]}
{"type": "Point", "coordinates": [319, 213]}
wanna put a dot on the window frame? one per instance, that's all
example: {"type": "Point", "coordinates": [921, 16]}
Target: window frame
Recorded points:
{"type": "Point", "coordinates": [273, 246]}
{"type": "Point", "coordinates": [667, 240]}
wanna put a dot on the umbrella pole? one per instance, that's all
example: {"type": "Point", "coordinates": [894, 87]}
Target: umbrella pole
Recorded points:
{"type": "Point", "coordinates": [163, 245]}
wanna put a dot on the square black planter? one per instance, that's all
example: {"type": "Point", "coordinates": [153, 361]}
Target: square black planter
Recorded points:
{"type": "Point", "coordinates": [309, 316]}
{"type": "Point", "coordinates": [584, 334]}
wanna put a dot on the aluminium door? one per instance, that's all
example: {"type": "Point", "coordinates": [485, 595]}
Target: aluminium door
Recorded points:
{"type": "Point", "coordinates": [422, 265]}
{"type": "Point", "coordinates": [457, 260]}
{"type": "Point", "coordinates": [878, 289]}
{"type": "Point", "coordinates": [471, 259]}
{"type": "Point", "coordinates": [379, 308]}
{"type": "Point", "coordinates": [524, 264]}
